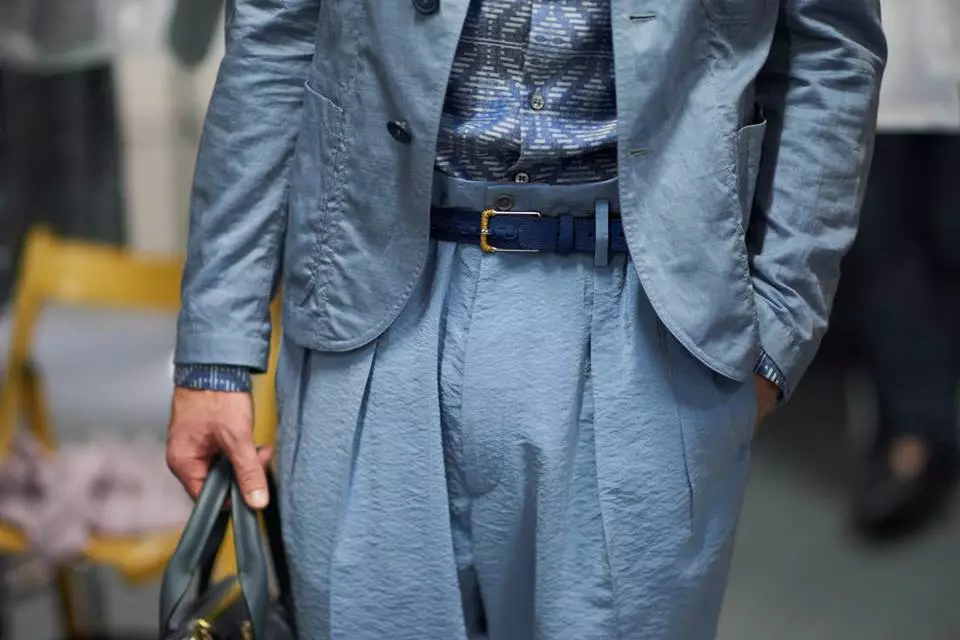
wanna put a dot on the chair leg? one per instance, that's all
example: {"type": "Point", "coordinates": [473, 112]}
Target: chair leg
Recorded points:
{"type": "Point", "coordinates": [5, 598]}
{"type": "Point", "coordinates": [37, 420]}
{"type": "Point", "coordinates": [34, 407]}
{"type": "Point", "coordinates": [67, 602]}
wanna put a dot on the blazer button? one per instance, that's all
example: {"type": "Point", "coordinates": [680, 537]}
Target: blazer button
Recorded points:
{"type": "Point", "coordinates": [426, 7]}
{"type": "Point", "coordinates": [399, 131]}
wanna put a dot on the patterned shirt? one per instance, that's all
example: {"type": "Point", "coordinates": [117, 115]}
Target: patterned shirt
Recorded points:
{"type": "Point", "coordinates": [531, 95]}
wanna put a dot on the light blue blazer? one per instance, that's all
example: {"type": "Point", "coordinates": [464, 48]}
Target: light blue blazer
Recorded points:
{"type": "Point", "coordinates": [745, 135]}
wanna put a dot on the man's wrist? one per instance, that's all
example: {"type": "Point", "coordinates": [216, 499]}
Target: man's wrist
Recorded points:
{"type": "Point", "coordinates": [213, 377]}
{"type": "Point", "coordinates": [767, 369]}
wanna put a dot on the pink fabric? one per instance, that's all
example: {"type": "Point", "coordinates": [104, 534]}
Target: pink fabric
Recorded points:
{"type": "Point", "coordinates": [107, 486]}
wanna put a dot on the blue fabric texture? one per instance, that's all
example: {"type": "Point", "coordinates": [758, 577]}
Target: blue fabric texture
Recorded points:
{"type": "Point", "coordinates": [564, 442]}
{"type": "Point", "coordinates": [527, 435]}
{"type": "Point", "coordinates": [739, 196]}
{"type": "Point", "coordinates": [509, 52]}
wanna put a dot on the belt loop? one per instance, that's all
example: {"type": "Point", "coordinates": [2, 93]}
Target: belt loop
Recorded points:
{"type": "Point", "coordinates": [565, 239]}
{"type": "Point", "coordinates": [601, 253]}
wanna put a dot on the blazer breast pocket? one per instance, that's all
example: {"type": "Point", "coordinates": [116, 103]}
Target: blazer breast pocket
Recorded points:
{"type": "Point", "coordinates": [734, 11]}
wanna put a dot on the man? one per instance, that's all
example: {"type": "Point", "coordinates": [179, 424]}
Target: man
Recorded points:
{"type": "Point", "coordinates": [553, 443]}
{"type": "Point", "coordinates": [61, 161]}
{"type": "Point", "coordinates": [900, 274]}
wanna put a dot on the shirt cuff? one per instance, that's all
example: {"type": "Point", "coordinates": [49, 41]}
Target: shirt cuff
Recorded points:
{"type": "Point", "coordinates": [768, 369]}
{"type": "Point", "coordinates": [212, 377]}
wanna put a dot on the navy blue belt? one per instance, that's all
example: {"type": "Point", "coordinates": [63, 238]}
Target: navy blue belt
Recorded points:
{"type": "Point", "coordinates": [529, 231]}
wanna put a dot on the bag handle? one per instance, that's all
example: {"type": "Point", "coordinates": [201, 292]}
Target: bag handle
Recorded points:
{"type": "Point", "coordinates": [197, 548]}
{"type": "Point", "coordinates": [252, 569]}
{"type": "Point", "coordinates": [202, 536]}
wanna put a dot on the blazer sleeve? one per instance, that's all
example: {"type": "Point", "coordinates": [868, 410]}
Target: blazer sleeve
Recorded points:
{"type": "Point", "coordinates": [819, 92]}
{"type": "Point", "coordinates": [239, 200]}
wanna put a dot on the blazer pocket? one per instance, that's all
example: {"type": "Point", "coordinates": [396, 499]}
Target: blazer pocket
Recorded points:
{"type": "Point", "coordinates": [734, 11]}
{"type": "Point", "coordinates": [316, 196]}
{"type": "Point", "coordinates": [749, 153]}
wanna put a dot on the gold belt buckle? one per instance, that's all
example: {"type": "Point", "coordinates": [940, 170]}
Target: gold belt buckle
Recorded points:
{"type": "Point", "coordinates": [485, 216]}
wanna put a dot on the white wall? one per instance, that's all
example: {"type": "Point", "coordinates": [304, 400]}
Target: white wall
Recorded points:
{"type": "Point", "coordinates": [162, 107]}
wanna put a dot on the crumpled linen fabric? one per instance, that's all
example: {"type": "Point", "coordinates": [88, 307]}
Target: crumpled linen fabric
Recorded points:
{"type": "Point", "coordinates": [104, 486]}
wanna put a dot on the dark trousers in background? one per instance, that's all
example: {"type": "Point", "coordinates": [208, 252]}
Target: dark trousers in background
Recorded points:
{"type": "Point", "coordinates": [60, 151]}
{"type": "Point", "coordinates": [900, 280]}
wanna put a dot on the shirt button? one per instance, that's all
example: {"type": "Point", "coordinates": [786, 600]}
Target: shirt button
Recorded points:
{"type": "Point", "coordinates": [521, 177]}
{"type": "Point", "coordinates": [426, 7]}
{"type": "Point", "coordinates": [537, 101]}
{"type": "Point", "coordinates": [399, 131]}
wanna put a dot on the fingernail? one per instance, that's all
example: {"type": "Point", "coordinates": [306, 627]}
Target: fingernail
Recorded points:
{"type": "Point", "coordinates": [258, 499]}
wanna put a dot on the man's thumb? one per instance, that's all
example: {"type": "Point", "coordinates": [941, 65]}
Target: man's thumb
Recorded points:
{"type": "Point", "coordinates": [249, 473]}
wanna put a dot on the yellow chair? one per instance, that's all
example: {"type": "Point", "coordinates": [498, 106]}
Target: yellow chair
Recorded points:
{"type": "Point", "coordinates": [77, 273]}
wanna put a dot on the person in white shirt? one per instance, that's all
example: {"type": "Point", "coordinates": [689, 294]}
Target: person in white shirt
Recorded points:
{"type": "Point", "coordinates": [908, 245]}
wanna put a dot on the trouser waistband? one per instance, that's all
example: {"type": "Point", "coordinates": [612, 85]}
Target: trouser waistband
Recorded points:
{"type": "Point", "coordinates": [578, 200]}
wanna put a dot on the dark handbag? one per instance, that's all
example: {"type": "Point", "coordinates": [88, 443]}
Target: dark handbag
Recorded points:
{"type": "Point", "coordinates": [239, 608]}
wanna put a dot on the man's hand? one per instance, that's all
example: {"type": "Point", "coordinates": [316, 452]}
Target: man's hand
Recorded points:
{"type": "Point", "coordinates": [204, 424]}
{"type": "Point", "coordinates": [768, 394]}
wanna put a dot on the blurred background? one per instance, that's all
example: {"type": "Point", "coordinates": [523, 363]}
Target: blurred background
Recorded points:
{"type": "Point", "coordinates": [850, 531]}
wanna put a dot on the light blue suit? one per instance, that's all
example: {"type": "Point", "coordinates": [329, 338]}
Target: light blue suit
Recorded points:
{"type": "Point", "coordinates": [745, 130]}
